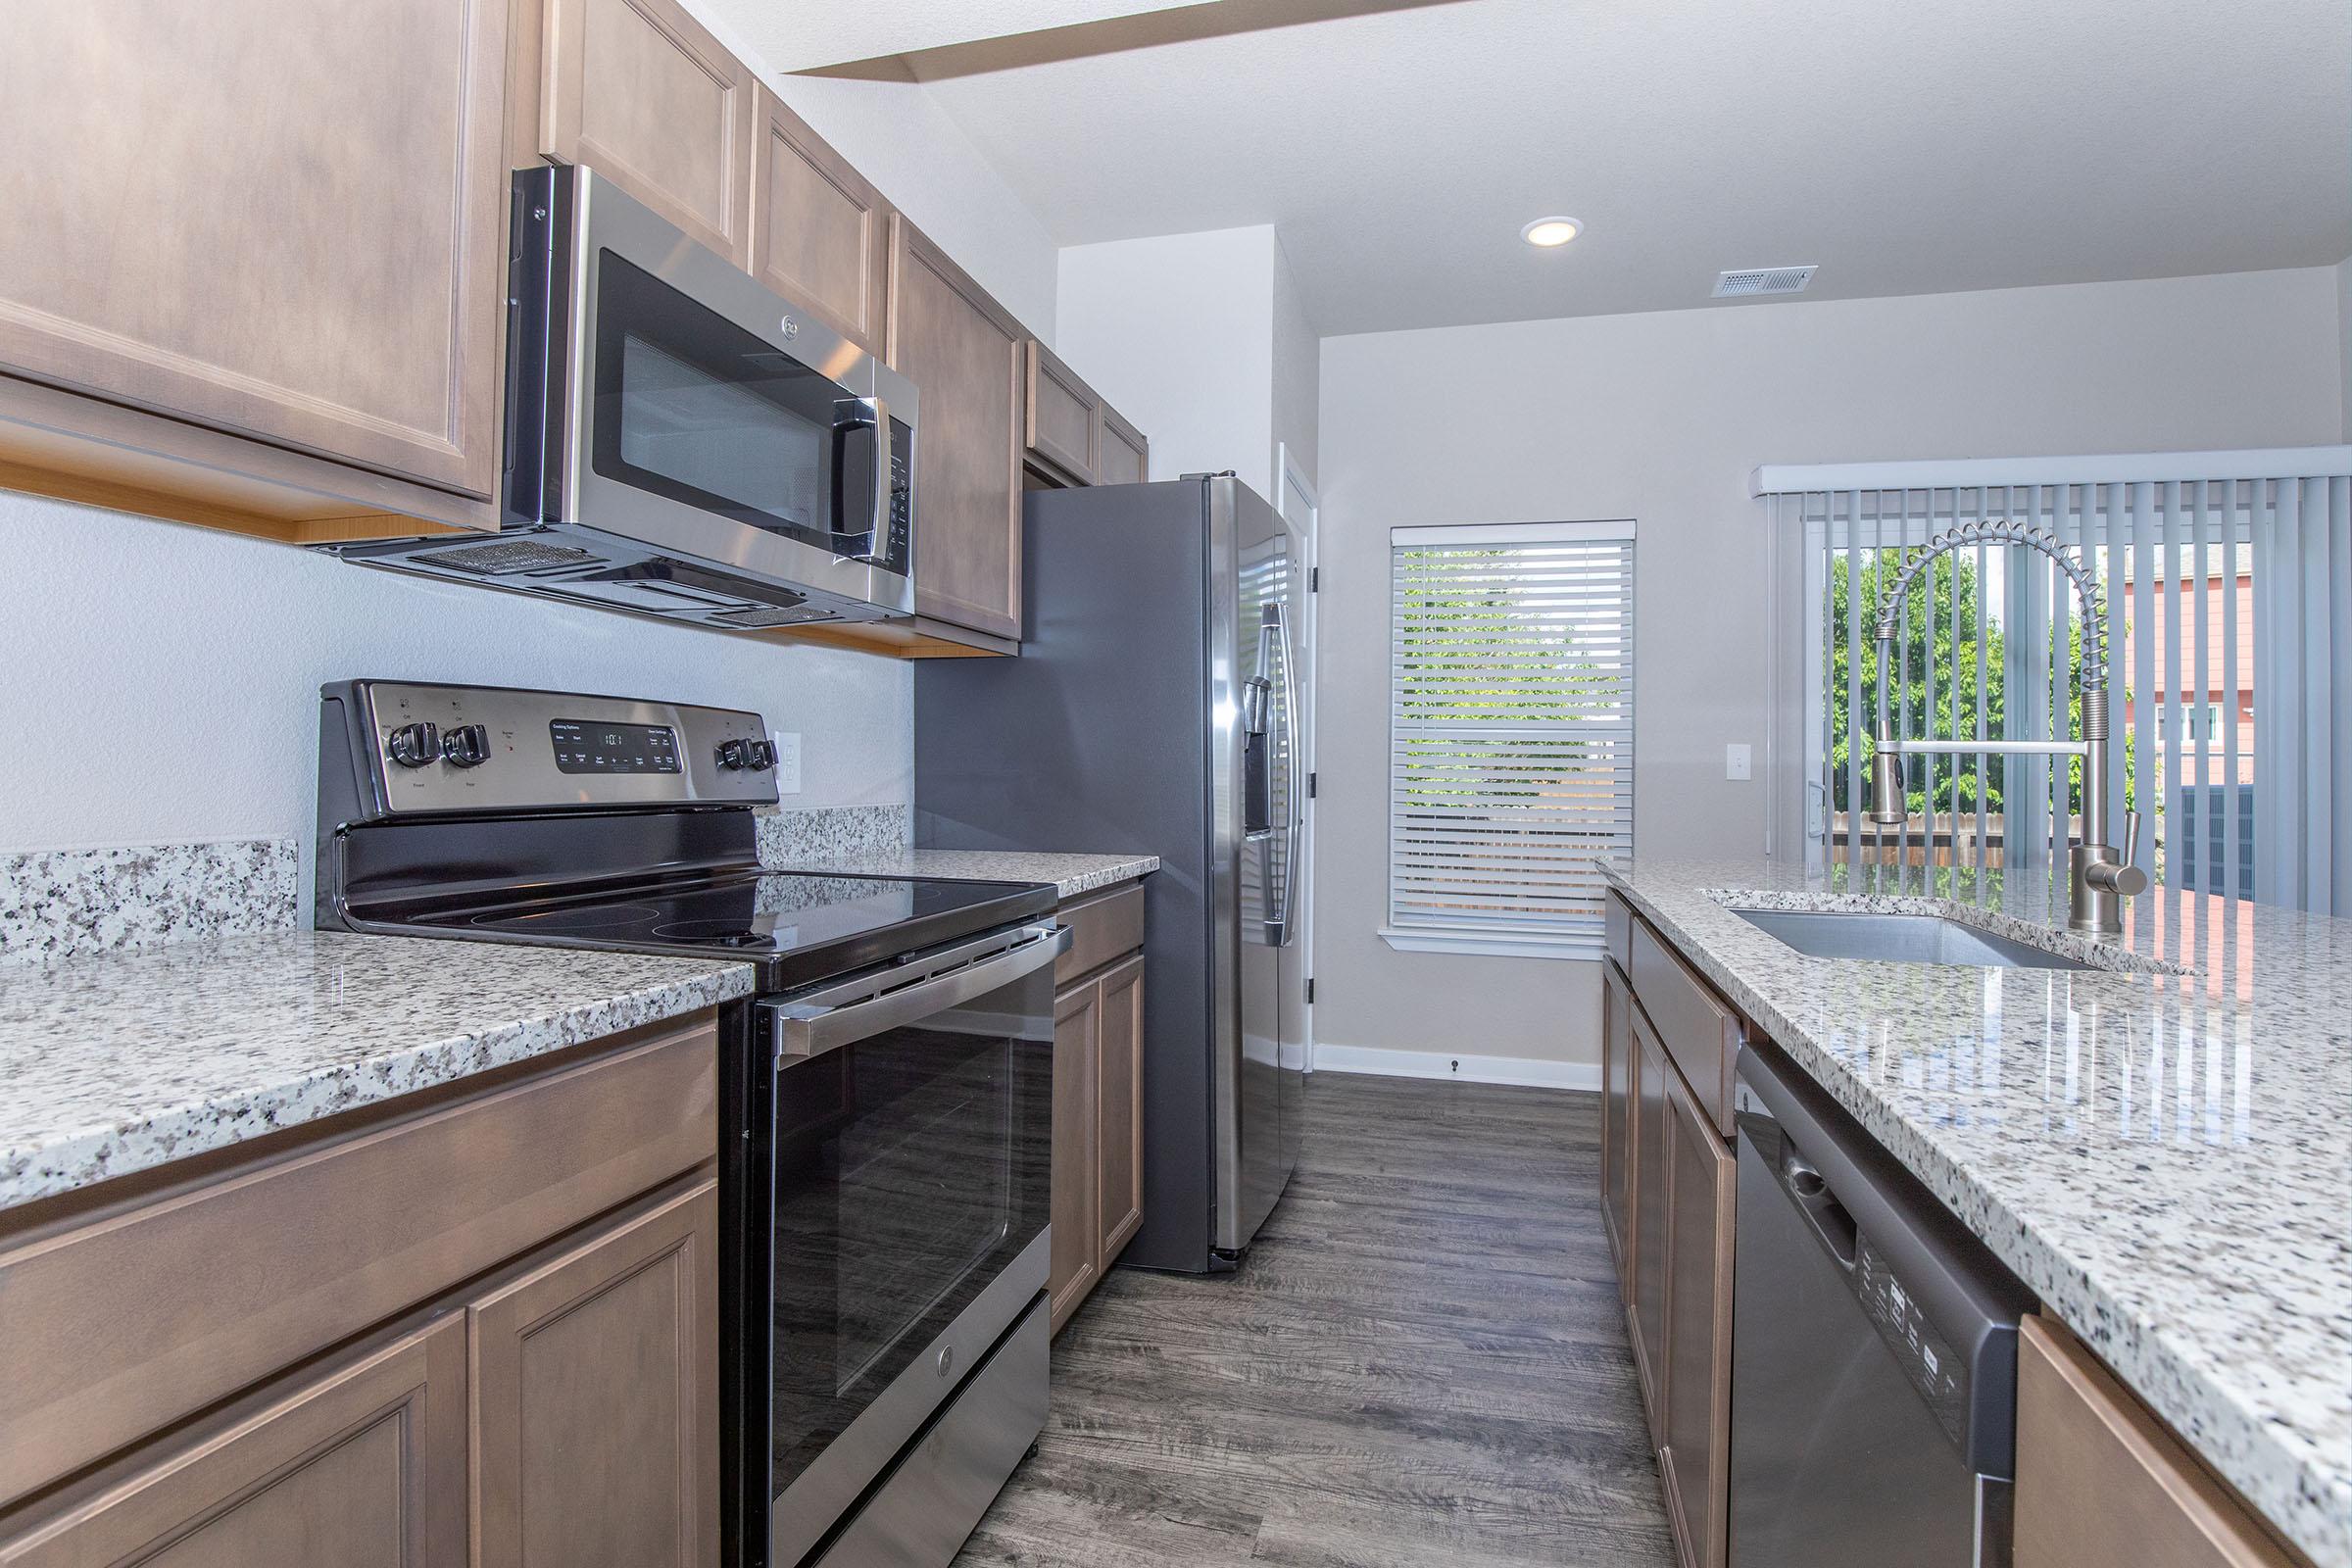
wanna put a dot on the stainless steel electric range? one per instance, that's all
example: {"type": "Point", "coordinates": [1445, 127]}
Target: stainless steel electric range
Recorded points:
{"type": "Point", "coordinates": [887, 1099]}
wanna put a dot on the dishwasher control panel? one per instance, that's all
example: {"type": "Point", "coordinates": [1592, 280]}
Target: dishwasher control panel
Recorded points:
{"type": "Point", "coordinates": [1937, 1370]}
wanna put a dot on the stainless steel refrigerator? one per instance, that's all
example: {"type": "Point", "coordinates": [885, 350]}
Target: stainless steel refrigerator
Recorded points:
{"type": "Point", "coordinates": [1154, 708]}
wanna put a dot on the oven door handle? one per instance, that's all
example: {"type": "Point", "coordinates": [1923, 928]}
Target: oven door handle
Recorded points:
{"type": "Point", "coordinates": [805, 1029]}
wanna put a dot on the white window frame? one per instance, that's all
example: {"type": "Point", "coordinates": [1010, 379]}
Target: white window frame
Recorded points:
{"type": "Point", "coordinates": [1487, 939]}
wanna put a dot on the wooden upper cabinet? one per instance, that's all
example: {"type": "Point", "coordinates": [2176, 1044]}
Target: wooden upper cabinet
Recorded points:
{"type": "Point", "coordinates": [1062, 417]}
{"type": "Point", "coordinates": [2102, 1484]}
{"type": "Point", "coordinates": [1123, 455]}
{"type": "Point", "coordinates": [640, 92]}
{"type": "Point", "coordinates": [963, 351]}
{"type": "Point", "coordinates": [276, 219]}
{"type": "Point", "coordinates": [596, 1397]}
{"type": "Point", "coordinates": [821, 232]}
{"type": "Point", "coordinates": [362, 1465]}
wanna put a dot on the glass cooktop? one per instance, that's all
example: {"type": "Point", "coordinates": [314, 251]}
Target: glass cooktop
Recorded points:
{"type": "Point", "coordinates": [800, 927]}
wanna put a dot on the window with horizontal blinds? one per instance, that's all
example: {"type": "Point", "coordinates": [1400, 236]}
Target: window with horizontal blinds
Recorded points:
{"type": "Point", "coordinates": [1510, 734]}
{"type": "Point", "coordinates": [2227, 582]}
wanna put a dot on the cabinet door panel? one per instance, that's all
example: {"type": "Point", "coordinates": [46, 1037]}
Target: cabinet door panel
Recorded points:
{"type": "Point", "coordinates": [282, 220]}
{"type": "Point", "coordinates": [1060, 416]}
{"type": "Point", "coordinates": [965, 351]}
{"type": "Point", "coordinates": [361, 1466]}
{"type": "Point", "coordinates": [1124, 456]}
{"type": "Point", "coordinates": [1648, 1316]}
{"type": "Point", "coordinates": [2101, 1484]}
{"type": "Point", "coordinates": [1695, 1439]}
{"type": "Point", "coordinates": [1120, 1096]}
{"type": "Point", "coordinates": [597, 1398]}
{"type": "Point", "coordinates": [821, 232]}
{"type": "Point", "coordinates": [1617, 1124]}
{"type": "Point", "coordinates": [1076, 1253]}
{"type": "Point", "coordinates": [639, 91]}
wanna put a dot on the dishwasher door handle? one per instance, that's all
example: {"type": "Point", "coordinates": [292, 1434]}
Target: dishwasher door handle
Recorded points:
{"type": "Point", "coordinates": [1827, 1219]}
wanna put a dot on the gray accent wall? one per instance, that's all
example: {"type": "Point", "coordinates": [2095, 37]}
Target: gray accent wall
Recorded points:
{"type": "Point", "coordinates": [1659, 418]}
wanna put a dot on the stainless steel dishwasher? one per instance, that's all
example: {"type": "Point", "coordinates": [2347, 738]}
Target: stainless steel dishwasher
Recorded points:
{"type": "Point", "coordinates": [1874, 1350]}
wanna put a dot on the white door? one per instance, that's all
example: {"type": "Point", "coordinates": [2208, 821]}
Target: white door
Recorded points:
{"type": "Point", "coordinates": [1298, 507]}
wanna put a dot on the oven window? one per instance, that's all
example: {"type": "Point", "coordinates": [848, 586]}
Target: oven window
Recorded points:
{"type": "Point", "coordinates": [910, 1169]}
{"type": "Point", "coordinates": [691, 407]}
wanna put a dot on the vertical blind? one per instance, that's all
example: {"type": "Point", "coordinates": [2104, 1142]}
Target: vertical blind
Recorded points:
{"type": "Point", "coordinates": [1510, 733]}
{"type": "Point", "coordinates": [2229, 677]}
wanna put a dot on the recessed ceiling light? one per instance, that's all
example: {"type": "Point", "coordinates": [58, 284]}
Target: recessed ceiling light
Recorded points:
{"type": "Point", "coordinates": [1551, 231]}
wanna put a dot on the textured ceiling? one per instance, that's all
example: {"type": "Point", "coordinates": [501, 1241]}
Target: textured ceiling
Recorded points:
{"type": "Point", "coordinates": [1906, 149]}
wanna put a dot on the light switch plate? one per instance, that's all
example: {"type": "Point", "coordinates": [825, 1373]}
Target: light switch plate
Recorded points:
{"type": "Point", "coordinates": [1737, 761]}
{"type": "Point", "coordinates": [788, 760]}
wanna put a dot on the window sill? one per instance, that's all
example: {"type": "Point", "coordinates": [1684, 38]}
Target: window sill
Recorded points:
{"type": "Point", "coordinates": [1490, 944]}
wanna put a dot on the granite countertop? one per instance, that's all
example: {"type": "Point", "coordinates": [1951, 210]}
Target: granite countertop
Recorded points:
{"type": "Point", "coordinates": [115, 1062]}
{"type": "Point", "coordinates": [2164, 1158]}
{"type": "Point", "coordinates": [1070, 874]}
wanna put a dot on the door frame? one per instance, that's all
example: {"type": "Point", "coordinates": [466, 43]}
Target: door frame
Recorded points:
{"type": "Point", "coordinates": [1295, 494]}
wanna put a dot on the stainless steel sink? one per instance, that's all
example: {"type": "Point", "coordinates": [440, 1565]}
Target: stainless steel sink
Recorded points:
{"type": "Point", "coordinates": [1900, 939]}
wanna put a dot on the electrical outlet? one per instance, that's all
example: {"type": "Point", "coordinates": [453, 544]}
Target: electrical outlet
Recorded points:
{"type": "Point", "coordinates": [1737, 763]}
{"type": "Point", "coordinates": [788, 760]}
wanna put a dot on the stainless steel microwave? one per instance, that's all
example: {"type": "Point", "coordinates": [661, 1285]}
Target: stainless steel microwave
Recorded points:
{"type": "Point", "coordinates": [681, 440]}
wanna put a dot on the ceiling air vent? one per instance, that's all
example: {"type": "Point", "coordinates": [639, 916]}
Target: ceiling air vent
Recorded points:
{"type": "Point", "coordinates": [1762, 280]}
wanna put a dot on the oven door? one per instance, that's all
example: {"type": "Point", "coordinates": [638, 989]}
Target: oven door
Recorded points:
{"type": "Point", "coordinates": [712, 420]}
{"type": "Point", "coordinates": [911, 1157]}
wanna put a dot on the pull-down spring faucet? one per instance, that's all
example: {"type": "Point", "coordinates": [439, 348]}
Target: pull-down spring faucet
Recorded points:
{"type": "Point", "coordinates": [2100, 877]}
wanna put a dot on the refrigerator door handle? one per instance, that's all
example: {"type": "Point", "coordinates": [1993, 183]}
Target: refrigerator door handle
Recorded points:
{"type": "Point", "coordinates": [1278, 923]}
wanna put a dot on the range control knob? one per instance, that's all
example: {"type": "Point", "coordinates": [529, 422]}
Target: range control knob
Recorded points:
{"type": "Point", "coordinates": [735, 756]}
{"type": "Point", "coordinates": [467, 746]}
{"type": "Point", "coordinates": [763, 756]}
{"type": "Point", "coordinates": [414, 745]}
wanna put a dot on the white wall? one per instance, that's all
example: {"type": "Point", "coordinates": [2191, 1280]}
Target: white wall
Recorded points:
{"type": "Point", "coordinates": [1297, 374]}
{"type": "Point", "coordinates": [2343, 335]}
{"type": "Point", "coordinates": [163, 680]}
{"type": "Point", "coordinates": [1177, 331]}
{"type": "Point", "coordinates": [1659, 418]}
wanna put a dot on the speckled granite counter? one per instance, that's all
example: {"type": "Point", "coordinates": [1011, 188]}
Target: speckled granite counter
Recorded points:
{"type": "Point", "coordinates": [1070, 874]}
{"type": "Point", "coordinates": [2166, 1160]}
{"type": "Point", "coordinates": [113, 1064]}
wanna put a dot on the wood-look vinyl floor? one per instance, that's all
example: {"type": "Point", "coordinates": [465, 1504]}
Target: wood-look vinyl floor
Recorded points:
{"type": "Point", "coordinates": [1421, 1362]}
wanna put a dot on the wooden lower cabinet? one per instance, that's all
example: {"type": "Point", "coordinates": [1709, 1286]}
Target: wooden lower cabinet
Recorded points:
{"type": "Point", "coordinates": [1695, 1408]}
{"type": "Point", "coordinates": [1098, 1099]}
{"type": "Point", "coordinates": [596, 1397]}
{"type": "Point", "coordinates": [359, 1465]}
{"type": "Point", "coordinates": [1647, 1289]}
{"type": "Point", "coordinates": [1076, 1257]}
{"type": "Point", "coordinates": [1669, 1197]}
{"type": "Point", "coordinates": [1617, 1121]}
{"type": "Point", "coordinates": [2101, 1484]}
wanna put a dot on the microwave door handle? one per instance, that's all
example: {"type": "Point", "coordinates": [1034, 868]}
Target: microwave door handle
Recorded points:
{"type": "Point", "coordinates": [804, 1030]}
{"type": "Point", "coordinates": [873, 414]}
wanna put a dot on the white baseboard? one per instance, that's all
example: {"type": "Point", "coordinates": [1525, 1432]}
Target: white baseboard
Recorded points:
{"type": "Point", "coordinates": [1584, 1075]}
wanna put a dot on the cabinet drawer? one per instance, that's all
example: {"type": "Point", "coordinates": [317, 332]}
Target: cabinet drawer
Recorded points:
{"type": "Point", "coordinates": [1617, 918]}
{"type": "Point", "coordinates": [2101, 1484]}
{"type": "Point", "coordinates": [1700, 1033]}
{"type": "Point", "coordinates": [1102, 926]}
{"type": "Point", "coordinates": [124, 1322]}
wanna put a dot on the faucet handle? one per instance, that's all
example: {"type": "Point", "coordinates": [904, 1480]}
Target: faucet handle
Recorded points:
{"type": "Point", "coordinates": [2121, 875]}
{"type": "Point", "coordinates": [2131, 836]}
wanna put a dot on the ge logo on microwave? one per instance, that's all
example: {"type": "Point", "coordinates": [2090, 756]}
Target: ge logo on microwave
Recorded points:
{"type": "Point", "coordinates": [792, 328]}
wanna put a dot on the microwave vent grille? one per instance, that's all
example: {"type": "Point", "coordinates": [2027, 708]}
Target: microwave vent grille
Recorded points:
{"type": "Point", "coordinates": [508, 557]}
{"type": "Point", "coordinates": [752, 618]}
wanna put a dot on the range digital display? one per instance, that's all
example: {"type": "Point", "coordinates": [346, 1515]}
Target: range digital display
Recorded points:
{"type": "Point", "coordinates": [586, 747]}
